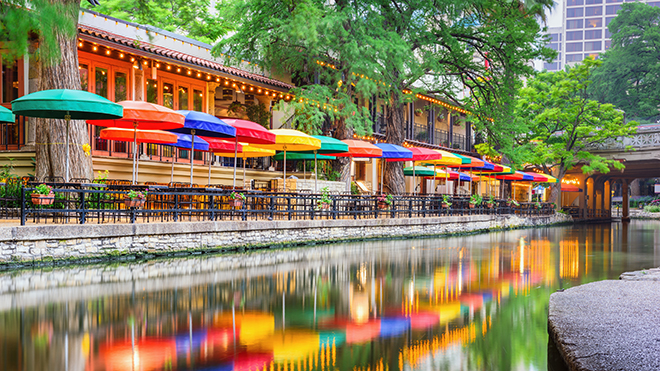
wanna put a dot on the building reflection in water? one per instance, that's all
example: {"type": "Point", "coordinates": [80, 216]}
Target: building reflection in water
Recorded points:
{"type": "Point", "coordinates": [474, 302]}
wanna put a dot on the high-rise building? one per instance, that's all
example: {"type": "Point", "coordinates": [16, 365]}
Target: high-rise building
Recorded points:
{"type": "Point", "coordinates": [583, 31]}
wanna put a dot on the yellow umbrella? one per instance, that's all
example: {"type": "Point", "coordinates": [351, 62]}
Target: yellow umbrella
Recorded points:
{"type": "Point", "coordinates": [249, 151]}
{"type": "Point", "coordinates": [294, 345]}
{"type": "Point", "coordinates": [448, 159]}
{"type": "Point", "coordinates": [254, 327]}
{"type": "Point", "coordinates": [291, 140]}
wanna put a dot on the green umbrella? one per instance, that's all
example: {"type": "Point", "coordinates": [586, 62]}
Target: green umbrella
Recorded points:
{"type": "Point", "coordinates": [68, 105]}
{"type": "Point", "coordinates": [6, 115]}
{"type": "Point", "coordinates": [329, 145]}
{"type": "Point", "coordinates": [296, 156]}
{"type": "Point", "coordinates": [464, 160]}
{"type": "Point", "coordinates": [418, 171]}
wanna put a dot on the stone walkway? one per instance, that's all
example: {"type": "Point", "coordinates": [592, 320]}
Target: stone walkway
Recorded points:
{"type": "Point", "coordinates": [609, 325]}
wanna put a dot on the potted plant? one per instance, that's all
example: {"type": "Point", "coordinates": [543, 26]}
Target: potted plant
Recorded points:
{"type": "Point", "coordinates": [236, 199]}
{"type": "Point", "coordinates": [537, 205]}
{"type": "Point", "coordinates": [384, 201]}
{"type": "Point", "coordinates": [235, 108]}
{"type": "Point", "coordinates": [419, 112]}
{"type": "Point", "coordinates": [490, 202]}
{"type": "Point", "coordinates": [43, 195]}
{"type": "Point", "coordinates": [135, 199]}
{"type": "Point", "coordinates": [475, 200]}
{"type": "Point", "coordinates": [512, 202]}
{"type": "Point", "coordinates": [445, 202]}
{"type": "Point", "coordinates": [325, 201]}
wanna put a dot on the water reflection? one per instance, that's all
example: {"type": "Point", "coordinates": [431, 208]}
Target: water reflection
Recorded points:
{"type": "Point", "coordinates": [465, 303]}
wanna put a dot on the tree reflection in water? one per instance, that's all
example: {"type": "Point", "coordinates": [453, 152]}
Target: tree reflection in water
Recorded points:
{"type": "Point", "coordinates": [461, 303]}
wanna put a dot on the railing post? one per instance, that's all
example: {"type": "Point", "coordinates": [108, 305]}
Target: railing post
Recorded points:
{"type": "Point", "coordinates": [23, 216]}
{"type": "Point", "coordinates": [288, 205]}
{"type": "Point", "coordinates": [176, 207]}
{"type": "Point", "coordinates": [410, 205]}
{"type": "Point", "coordinates": [272, 207]}
{"type": "Point", "coordinates": [82, 206]}
{"type": "Point", "coordinates": [212, 207]}
{"type": "Point", "coordinates": [334, 208]}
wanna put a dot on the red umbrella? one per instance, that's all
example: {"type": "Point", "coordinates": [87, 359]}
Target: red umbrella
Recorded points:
{"type": "Point", "coordinates": [358, 148]}
{"type": "Point", "coordinates": [143, 115]}
{"type": "Point", "coordinates": [537, 177]}
{"type": "Point", "coordinates": [419, 154]}
{"type": "Point", "coordinates": [219, 145]}
{"type": "Point", "coordinates": [249, 132]}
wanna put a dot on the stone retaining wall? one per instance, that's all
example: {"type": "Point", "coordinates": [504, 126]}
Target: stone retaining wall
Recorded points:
{"type": "Point", "coordinates": [48, 242]}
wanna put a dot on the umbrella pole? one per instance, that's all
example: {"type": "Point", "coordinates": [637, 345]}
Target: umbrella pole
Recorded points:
{"type": "Point", "coordinates": [134, 151]}
{"type": "Point", "coordinates": [172, 172]}
{"type": "Point", "coordinates": [304, 170]}
{"type": "Point", "coordinates": [316, 174]}
{"type": "Point", "coordinates": [446, 180]}
{"type": "Point", "coordinates": [210, 159]}
{"type": "Point", "coordinates": [348, 178]}
{"type": "Point", "coordinates": [414, 179]}
{"type": "Point", "coordinates": [284, 169]}
{"type": "Point", "coordinates": [243, 172]}
{"type": "Point", "coordinates": [382, 177]}
{"type": "Point", "coordinates": [67, 118]}
{"type": "Point", "coordinates": [235, 158]}
{"type": "Point", "coordinates": [192, 155]}
{"type": "Point", "coordinates": [434, 181]}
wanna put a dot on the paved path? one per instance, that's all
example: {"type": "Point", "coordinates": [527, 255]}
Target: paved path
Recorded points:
{"type": "Point", "coordinates": [609, 325]}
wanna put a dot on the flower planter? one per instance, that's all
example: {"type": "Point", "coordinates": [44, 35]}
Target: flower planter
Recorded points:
{"type": "Point", "coordinates": [237, 204]}
{"type": "Point", "coordinates": [39, 199]}
{"type": "Point", "coordinates": [490, 206]}
{"type": "Point", "coordinates": [134, 202]}
{"type": "Point", "coordinates": [472, 206]}
{"type": "Point", "coordinates": [382, 205]}
{"type": "Point", "coordinates": [418, 114]}
{"type": "Point", "coordinates": [325, 206]}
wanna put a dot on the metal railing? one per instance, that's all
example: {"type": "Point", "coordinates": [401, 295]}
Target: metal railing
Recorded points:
{"type": "Point", "coordinates": [211, 204]}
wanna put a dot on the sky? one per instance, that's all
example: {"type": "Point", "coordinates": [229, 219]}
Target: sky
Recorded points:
{"type": "Point", "coordinates": [554, 16]}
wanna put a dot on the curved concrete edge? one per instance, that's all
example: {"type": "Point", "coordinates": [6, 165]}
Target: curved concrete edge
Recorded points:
{"type": "Point", "coordinates": [67, 231]}
{"type": "Point", "coordinates": [607, 325]}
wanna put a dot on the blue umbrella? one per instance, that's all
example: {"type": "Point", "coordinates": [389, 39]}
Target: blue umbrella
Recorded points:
{"type": "Point", "coordinates": [186, 141]}
{"type": "Point", "coordinates": [200, 123]}
{"type": "Point", "coordinates": [525, 176]}
{"type": "Point", "coordinates": [487, 166]}
{"type": "Point", "coordinates": [464, 177]}
{"type": "Point", "coordinates": [393, 326]}
{"type": "Point", "coordinates": [393, 151]}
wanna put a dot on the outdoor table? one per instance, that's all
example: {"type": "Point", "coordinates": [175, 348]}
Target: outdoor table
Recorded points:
{"type": "Point", "coordinates": [94, 185]}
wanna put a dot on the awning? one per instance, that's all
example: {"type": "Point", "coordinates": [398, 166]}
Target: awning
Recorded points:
{"type": "Point", "coordinates": [570, 188]}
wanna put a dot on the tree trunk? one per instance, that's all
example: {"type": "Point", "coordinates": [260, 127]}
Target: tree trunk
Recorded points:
{"type": "Point", "coordinates": [394, 119]}
{"type": "Point", "coordinates": [343, 164]}
{"type": "Point", "coordinates": [51, 133]}
{"type": "Point", "coordinates": [555, 188]}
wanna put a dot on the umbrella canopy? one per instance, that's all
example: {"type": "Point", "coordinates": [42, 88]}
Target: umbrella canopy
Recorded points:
{"type": "Point", "coordinates": [421, 154]}
{"type": "Point", "coordinates": [292, 140]}
{"type": "Point", "coordinates": [6, 115]}
{"type": "Point", "coordinates": [393, 326]}
{"type": "Point", "coordinates": [418, 171]}
{"type": "Point", "coordinates": [248, 152]}
{"type": "Point", "coordinates": [250, 132]}
{"type": "Point", "coordinates": [60, 103]}
{"type": "Point", "coordinates": [297, 156]}
{"type": "Point", "coordinates": [330, 145]}
{"type": "Point", "coordinates": [141, 136]}
{"type": "Point", "coordinates": [360, 148]}
{"type": "Point", "coordinates": [447, 159]}
{"type": "Point", "coordinates": [515, 176]}
{"type": "Point", "coordinates": [392, 151]}
{"type": "Point", "coordinates": [543, 178]}
{"type": "Point", "coordinates": [205, 125]}
{"type": "Point", "coordinates": [470, 162]}
{"type": "Point", "coordinates": [144, 115]}
{"type": "Point", "coordinates": [184, 141]}
{"type": "Point", "coordinates": [219, 145]}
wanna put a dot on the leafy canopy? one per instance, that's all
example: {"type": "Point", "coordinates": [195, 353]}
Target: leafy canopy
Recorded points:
{"type": "Point", "coordinates": [560, 125]}
{"type": "Point", "coordinates": [629, 75]}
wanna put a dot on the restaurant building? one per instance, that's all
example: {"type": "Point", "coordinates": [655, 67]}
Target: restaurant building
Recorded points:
{"type": "Point", "coordinates": [121, 60]}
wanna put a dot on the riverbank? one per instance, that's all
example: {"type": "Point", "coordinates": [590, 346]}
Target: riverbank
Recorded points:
{"type": "Point", "coordinates": [608, 325]}
{"type": "Point", "coordinates": [59, 244]}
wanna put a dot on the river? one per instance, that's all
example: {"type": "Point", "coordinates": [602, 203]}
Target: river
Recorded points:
{"type": "Point", "coordinates": [476, 302]}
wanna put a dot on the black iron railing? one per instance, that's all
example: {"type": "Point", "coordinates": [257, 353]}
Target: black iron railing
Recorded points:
{"type": "Point", "coordinates": [211, 204]}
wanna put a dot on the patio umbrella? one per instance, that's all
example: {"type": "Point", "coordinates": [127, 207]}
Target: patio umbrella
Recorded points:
{"type": "Point", "coordinates": [292, 140]}
{"type": "Point", "coordinates": [138, 136]}
{"type": "Point", "coordinates": [515, 176]}
{"type": "Point", "coordinates": [142, 115]}
{"type": "Point", "coordinates": [392, 152]}
{"type": "Point", "coordinates": [358, 148]}
{"type": "Point", "coordinates": [329, 145]}
{"type": "Point", "coordinates": [448, 159]}
{"type": "Point", "coordinates": [68, 105]}
{"type": "Point", "coordinates": [418, 171]}
{"type": "Point", "coordinates": [542, 178]}
{"type": "Point", "coordinates": [247, 151]}
{"type": "Point", "coordinates": [219, 145]}
{"type": "Point", "coordinates": [187, 141]}
{"type": "Point", "coordinates": [421, 154]}
{"type": "Point", "coordinates": [6, 115]}
{"type": "Point", "coordinates": [249, 132]}
{"type": "Point", "coordinates": [200, 123]}
{"type": "Point", "coordinates": [303, 156]}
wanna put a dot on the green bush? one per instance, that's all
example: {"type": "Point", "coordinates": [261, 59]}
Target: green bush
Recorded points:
{"type": "Point", "coordinates": [652, 208]}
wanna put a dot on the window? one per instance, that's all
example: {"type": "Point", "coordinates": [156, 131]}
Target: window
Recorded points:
{"type": "Point", "coordinates": [592, 46]}
{"type": "Point", "coordinates": [608, 20]}
{"type": "Point", "coordinates": [574, 2]}
{"type": "Point", "coordinates": [655, 3]}
{"type": "Point", "coordinates": [168, 95]}
{"type": "Point", "coordinates": [121, 86]}
{"type": "Point", "coordinates": [593, 10]}
{"type": "Point", "coordinates": [593, 34]}
{"type": "Point", "coordinates": [183, 98]}
{"type": "Point", "coordinates": [83, 69]}
{"type": "Point", "coordinates": [608, 43]}
{"type": "Point", "coordinates": [589, 2]}
{"type": "Point", "coordinates": [592, 55]}
{"type": "Point", "coordinates": [152, 91]}
{"type": "Point", "coordinates": [613, 1]}
{"type": "Point", "coordinates": [101, 79]}
{"type": "Point", "coordinates": [593, 22]}
{"type": "Point", "coordinates": [227, 94]}
{"type": "Point", "coordinates": [553, 46]}
{"type": "Point", "coordinates": [573, 35]}
{"type": "Point", "coordinates": [555, 37]}
{"type": "Point", "coordinates": [573, 47]}
{"type": "Point", "coordinates": [249, 98]}
{"type": "Point", "coordinates": [551, 66]}
{"type": "Point", "coordinates": [574, 12]}
{"type": "Point", "coordinates": [573, 57]}
{"type": "Point", "coordinates": [198, 98]}
{"type": "Point", "coordinates": [612, 9]}
{"type": "Point", "coordinates": [608, 35]}
{"type": "Point", "coordinates": [573, 24]}
{"type": "Point", "coordinates": [168, 151]}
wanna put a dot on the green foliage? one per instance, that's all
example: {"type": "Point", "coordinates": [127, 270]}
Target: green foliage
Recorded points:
{"type": "Point", "coordinates": [237, 196]}
{"type": "Point", "coordinates": [386, 199]}
{"type": "Point", "coordinates": [491, 200]}
{"type": "Point", "coordinates": [629, 75]}
{"type": "Point", "coordinates": [355, 190]}
{"type": "Point", "coordinates": [325, 199]}
{"type": "Point", "coordinates": [558, 125]}
{"type": "Point", "coordinates": [258, 113]}
{"type": "Point", "coordinates": [446, 200]}
{"type": "Point", "coordinates": [652, 208]}
{"type": "Point", "coordinates": [476, 199]}
{"type": "Point", "coordinates": [140, 195]}
{"type": "Point", "coordinates": [43, 189]}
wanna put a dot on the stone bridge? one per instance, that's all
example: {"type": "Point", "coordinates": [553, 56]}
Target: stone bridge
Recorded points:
{"type": "Point", "coordinates": [641, 156]}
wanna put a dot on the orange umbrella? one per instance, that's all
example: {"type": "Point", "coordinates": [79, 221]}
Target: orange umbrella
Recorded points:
{"type": "Point", "coordinates": [141, 136]}
{"type": "Point", "coordinates": [358, 148]}
{"type": "Point", "coordinates": [143, 115]}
